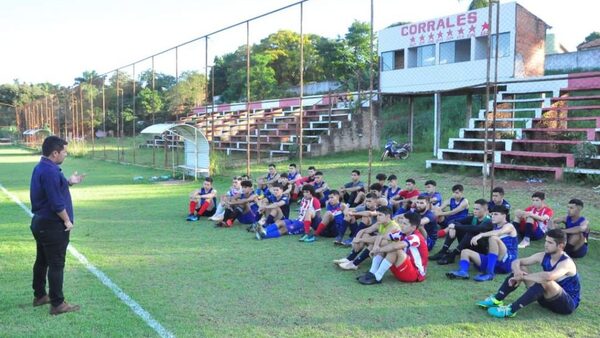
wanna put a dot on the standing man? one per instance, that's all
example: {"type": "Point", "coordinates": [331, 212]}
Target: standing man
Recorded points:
{"type": "Point", "coordinates": [51, 224]}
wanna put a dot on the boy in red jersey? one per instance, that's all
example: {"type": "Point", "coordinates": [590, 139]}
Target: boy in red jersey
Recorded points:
{"type": "Point", "coordinates": [403, 252]}
{"type": "Point", "coordinates": [532, 223]}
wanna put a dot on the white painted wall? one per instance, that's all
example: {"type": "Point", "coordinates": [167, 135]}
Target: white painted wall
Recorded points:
{"type": "Point", "coordinates": [452, 75]}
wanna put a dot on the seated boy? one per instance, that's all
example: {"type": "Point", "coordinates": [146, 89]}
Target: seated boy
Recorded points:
{"type": "Point", "coordinates": [435, 198]}
{"type": "Point", "coordinates": [464, 229]}
{"type": "Point", "coordinates": [576, 228]}
{"type": "Point", "coordinates": [458, 208]}
{"type": "Point", "coordinates": [557, 287]}
{"type": "Point", "coordinates": [393, 189]}
{"type": "Point", "coordinates": [293, 176]}
{"type": "Point", "coordinates": [203, 201]}
{"type": "Point", "coordinates": [272, 175]}
{"type": "Point", "coordinates": [301, 181]}
{"type": "Point", "coordinates": [498, 199]}
{"type": "Point", "coordinates": [234, 190]}
{"type": "Point", "coordinates": [308, 214]}
{"type": "Point", "coordinates": [403, 201]}
{"type": "Point", "coordinates": [365, 238]}
{"type": "Point", "coordinates": [333, 219]}
{"type": "Point", "coordinates": [403, 252]}
{"type": "Point", "coordinates": [242, 208]}
{"type": "Point", "coordinates": [532, 223]}
{"type": "Point", "coordinates": [358, 218]}
{"type": "Point", "coordinates": [502, 251]}
{"type": "Point", "coordinates": [275, 209]}
{"type": "Point", "coordinates": [353, 192]}
{"type": "Point", "coordinates": [428, 227]}
{"type": "Point", "coordinates": [321, 188]}
{"type": "Point", "coordinates": [381, 180]}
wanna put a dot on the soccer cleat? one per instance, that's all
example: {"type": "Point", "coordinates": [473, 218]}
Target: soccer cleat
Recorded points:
{"type": "Point", "coordinates": [438, 255]}
{"type": "Point", "coordinates": [447, 259]}
{"type": "Point", "coordinates": [347, 242]}
{"type": "Point", "coordinates": [489, 302]}
{"type": "Point", "coordinates": [368, 279]}
{"type": "Point", "coordinates": [340, 261]}
{"type": "Point", "coordinates": [303, 238]}
{"type": "Point", "coordinates": [252, 227]}
{"type": "Point", "coordinates": [310, 239]}
{"type": "Point", "coordinates": [258, 235]}
{"type": "Point", "coordinates": [484, 277]}
{"type": "Point", "coordinates": [337, 240]}
{"type": "Point", "coordinates": [192, 218]}
{"type": "Point", "coordinates": [503, 311]}
{"type": "Point", "coordinates": [524, 243]}
{"type": "Point", "coordinates": [457, 274]}
{"type": "Point", "coordinates": [348, 266]}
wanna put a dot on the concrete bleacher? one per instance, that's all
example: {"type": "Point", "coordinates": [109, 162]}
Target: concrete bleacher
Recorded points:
{"type": "Point", "coordinates": [274, 124]}
{"type": "Point", "coordinates": [538, 140]}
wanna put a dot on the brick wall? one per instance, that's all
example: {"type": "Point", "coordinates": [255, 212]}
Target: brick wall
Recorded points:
{"type": "Point", "coordinates": [529, 44]}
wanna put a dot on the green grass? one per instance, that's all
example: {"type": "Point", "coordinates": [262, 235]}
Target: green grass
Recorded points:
{"type": "Point", "coordinates": [200, 281]}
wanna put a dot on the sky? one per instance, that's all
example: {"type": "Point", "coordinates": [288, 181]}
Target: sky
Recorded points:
{"type": "Point", "coordinates": [57, 40]}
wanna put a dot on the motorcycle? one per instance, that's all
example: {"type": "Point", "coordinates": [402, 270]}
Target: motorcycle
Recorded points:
{"type": "Point", "coordinates": [394, 151]}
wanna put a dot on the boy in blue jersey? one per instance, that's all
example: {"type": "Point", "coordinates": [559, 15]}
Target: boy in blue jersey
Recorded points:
{"type": "Point", "coordinates": [242, 208]}
{"type": "Point", "coordinates": [262, 189]}
{"type": "Point", "coordinates": [276, 208]}
{"type": "Point", "coordinates": [576, 228]}
{"type": "Point", "coordinates": [333, 218]}
{"type": "Point", "coordinates": [393, 189]}
{"type": "Point", "coordinates": [464, 229]}
{"type": "Point", "coordinates": [435, 198]}
{"type": "Point", "coordinates": [321, 188]}
{"type": "Point", "coordinates": [498, 199]}
{"type": "Point", "coordinates": [503, 250]}
{"type": "Point", "coordinates": [381, 180]}
{"type": "Point", "coordinates": [556, 288]}
{"type": "Point", "coordinates": [458, 207]}
{"type": "Point", "coordinates": [309, 214]}
{"type": "Point", "coordinates": [203, 201]}
{"type": "Point", "coordinates": [272, 175]}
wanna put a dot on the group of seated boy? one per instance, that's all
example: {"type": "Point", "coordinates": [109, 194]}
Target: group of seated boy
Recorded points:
{"type": "Point", "coordinates": [398, 227]}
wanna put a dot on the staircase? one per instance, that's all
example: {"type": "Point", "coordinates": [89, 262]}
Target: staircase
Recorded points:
{"type": "Point", "coordinates": [536, 131]}
{"type": "Point", "coordinates": [274, 125]}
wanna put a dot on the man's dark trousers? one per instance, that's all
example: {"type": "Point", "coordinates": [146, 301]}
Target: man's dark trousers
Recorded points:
{"type": "Point", "coordinates": [51, 246]}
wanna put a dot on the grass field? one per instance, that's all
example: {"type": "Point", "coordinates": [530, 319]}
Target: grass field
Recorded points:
{"type": "Point", "coordinates": [200, 281]}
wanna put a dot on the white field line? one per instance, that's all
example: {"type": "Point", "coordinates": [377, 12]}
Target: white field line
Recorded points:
{"type": "Point", "coordinates": [135, 307]}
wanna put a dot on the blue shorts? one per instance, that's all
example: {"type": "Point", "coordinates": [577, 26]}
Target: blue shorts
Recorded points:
{"type": "Point", "coordinates": [250, 217]}
{"type": "Point", "coordinates": [579, 252]}
{"type": "Point", "coordinates": [502, 266]}
{"type": "Point", "coordinates": [294, 227]}
{"type": "Point", "coordinates": [562, 304]}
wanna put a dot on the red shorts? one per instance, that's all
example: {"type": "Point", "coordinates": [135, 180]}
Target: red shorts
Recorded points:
{"type": "Point", "coordinates": [406, 272]}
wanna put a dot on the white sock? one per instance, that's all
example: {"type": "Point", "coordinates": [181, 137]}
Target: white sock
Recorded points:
{"type": "Point", "coordinates": [375, 263]}
{"type": "Point", "coordinates": [383, 267]}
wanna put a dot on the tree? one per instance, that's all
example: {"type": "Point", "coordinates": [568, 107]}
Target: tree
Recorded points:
{"type": "Point", "coordinates": [150, 102]}
{"type": "Point", "coordinates": [592, 36]}
{"type": "Point", "coordinates": [188, 93]}
{"type": "Point", "coordinates": [475, 4]}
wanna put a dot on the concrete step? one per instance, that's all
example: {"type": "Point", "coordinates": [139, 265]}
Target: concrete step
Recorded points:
{"type": "Point", "coordinates": [479, 123]}
{"type": "Point", "coordinates": [502, 133]}
{"type": "Point", "coordinates": [478, 144]}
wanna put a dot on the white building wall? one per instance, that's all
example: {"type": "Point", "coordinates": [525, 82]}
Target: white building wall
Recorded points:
{"type": "Point", "coordinates": [468, 25]}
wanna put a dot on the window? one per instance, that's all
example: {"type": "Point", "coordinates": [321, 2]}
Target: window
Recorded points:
{"type": "Point", "coordinates": [455, 51]}
{"type": "Point", "coordinates": [421, 56]}
{"type": "Point", "coordinates": [392, 60]}
{"type": "Point", "coordinates": [503, 46]}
